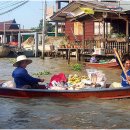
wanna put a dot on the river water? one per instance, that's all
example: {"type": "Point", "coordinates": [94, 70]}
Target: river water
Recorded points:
{"type": "Point", "coordinates": [53, 113]}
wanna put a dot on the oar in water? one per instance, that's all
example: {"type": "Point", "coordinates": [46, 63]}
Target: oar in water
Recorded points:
{"type": "Point", "coordinates": [115, 51]}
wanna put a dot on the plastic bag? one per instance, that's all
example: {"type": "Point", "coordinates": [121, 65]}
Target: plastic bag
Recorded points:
{"type": "Point", "coordinates": [8, 84]}
{"type": "Point", "coordinates": [100, 76]}
{"type": "Point", "coordinates": [59, 78]}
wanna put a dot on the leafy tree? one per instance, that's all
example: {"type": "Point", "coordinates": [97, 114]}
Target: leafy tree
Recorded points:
{"type": "Point", "coordinates": [49, 27]}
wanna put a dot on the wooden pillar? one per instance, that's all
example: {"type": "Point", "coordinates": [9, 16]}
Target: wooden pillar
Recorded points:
{"type": "Point", "coordinates": [19, 40]}
{"type": "Point", "coordinates": [127, 35]}
{"type": "Point", "coordinates": [104, 35]}
{"type": "Point", "coordinates": [83, 35]}
{"type": "Point", "coordinates": [82, 54]}
{"type": "Point", "coordinates": [106, 29]}
{"type": "Point", "coordinates": [100, 28]}
{"type": "Point", "coordinates": [68, 55]}
{"type": "Point", "coordinates": [127, 28]}
{"type": "Point", "coordinates": [56, 29]}
{"type": "Point", "coordinates": [36, 44]}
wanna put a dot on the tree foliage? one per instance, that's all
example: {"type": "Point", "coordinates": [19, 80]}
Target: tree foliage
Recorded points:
{"type": "Point", "coordinates": [49, 27]}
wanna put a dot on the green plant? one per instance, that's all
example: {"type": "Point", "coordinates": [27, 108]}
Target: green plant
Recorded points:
{"type": "Point", "coordinates": [120, 35]}
{"type": "Point", "coordinates": [45, 72]}
{"type": "Point", "coordinates": [62, 43]}
{"type": "Point", "coordinates": [76, 67]}
{"type": "Point", "coordinates": [12, 61]}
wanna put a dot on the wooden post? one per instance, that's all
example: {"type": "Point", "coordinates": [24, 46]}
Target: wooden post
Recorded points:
{"type": "Point", "coordinates": [127, 35]}
{"type": "Point", "coordinates": [4, 34]}
{"type": "Point", "coordinates": [104, 35]}
{"type": "Point", "coordinates": [83, 35]}
{"type": "Point", "coordinates": [68, 53]}
{"type": "Point", "coordinates": [82, 55]}
{"type": "Point", "coordinates": [36, 44]}
{"type": "Point", "coordinates": [43, 29]}
{"type": "Point", "coordinates": [56, 29]}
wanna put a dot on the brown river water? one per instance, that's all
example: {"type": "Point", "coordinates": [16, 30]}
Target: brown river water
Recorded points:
{"type": "Point", "coordinates": [54, 113]}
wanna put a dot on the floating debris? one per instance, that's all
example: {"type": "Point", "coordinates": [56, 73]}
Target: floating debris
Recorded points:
{"type": "Point", "coordinates": [12, 60]}
{"type": "Point", "coordinates": [76, 67]}
{"type": "Point", "coordinates": [45, 72]}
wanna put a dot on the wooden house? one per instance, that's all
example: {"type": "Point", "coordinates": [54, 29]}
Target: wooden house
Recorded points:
{"type": "Point", "coordinates": [93, 23]}
{"type": "Point", "coordinates": [9, 31]}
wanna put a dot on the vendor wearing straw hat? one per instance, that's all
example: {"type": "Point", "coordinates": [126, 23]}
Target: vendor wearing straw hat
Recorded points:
{"type": "Point", "coordinates": [20, 74]}
{"type": "Point", "coordinates": [93, 58]}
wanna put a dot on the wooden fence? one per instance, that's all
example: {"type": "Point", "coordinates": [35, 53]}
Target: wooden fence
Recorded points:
{"type": "Point", "coordinates": [120, 46]}
{"type": "Point", "coordinates": [109, 45]}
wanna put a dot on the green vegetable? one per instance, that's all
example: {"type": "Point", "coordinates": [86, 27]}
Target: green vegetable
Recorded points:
{"type": "Point", "coordinates": [76, 67]}
{"type": "Point", "coordinates": [45, 72]}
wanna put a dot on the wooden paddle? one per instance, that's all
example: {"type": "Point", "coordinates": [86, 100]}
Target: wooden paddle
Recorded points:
{"type": "Point", "coordinates": [115, 51]}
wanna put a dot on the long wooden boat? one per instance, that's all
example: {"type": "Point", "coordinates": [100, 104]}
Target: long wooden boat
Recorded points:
{"type": "Point", "coordinates": [4, 51]}
{"type": "Point", "coordinates": [102, 93]}
{"type": "Point", "coordinates": [104, 65]}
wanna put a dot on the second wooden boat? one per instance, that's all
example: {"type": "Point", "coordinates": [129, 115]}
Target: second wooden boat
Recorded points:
{"type": "Point", "coordinates": [106, 65]}
{"type": "Point", "coordinates": [4, 51]}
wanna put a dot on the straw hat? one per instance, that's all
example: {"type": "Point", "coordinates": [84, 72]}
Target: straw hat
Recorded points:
{"type": "Point", "coordinates": [22, 58]}
{"type": "Point", "coordinates": [94, 53]}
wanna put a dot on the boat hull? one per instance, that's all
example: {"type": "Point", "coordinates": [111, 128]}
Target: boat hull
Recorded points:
{"type": "Point", "coordinates": [104, 93]}
{"type": "Point", "coordinates": [4, 51]}
{"type": "Point", "coordinates": [104, 65]}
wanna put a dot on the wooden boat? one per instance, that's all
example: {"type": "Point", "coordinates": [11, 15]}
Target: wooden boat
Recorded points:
{"type": "Point", "coordinates": [102, 93]}
{"type": "Point", "coordinates": [104, 65]}
{"type": "Point", "coordinates": [4, 51]}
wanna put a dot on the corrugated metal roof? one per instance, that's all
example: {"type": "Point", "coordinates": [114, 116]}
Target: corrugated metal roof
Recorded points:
{"type": "Point", "coordinates": [73, 7]}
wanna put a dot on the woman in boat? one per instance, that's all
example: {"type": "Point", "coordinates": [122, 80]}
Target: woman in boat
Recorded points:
{"type": "Point", "coordinates": [126, 79]}
{"type": "Point", "coordinates": [21, 77]}
{"type": "Point", "coordinates": [93, 59]}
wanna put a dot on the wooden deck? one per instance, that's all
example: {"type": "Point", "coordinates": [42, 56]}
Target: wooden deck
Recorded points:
{"type": "Point", "coordinates": [81, 54]}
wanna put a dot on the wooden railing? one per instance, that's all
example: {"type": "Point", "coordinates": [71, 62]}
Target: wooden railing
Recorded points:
{"type": "Point", "coordinates": [120, 46]}
{"type": "Point", "coordinates": [109, 45]}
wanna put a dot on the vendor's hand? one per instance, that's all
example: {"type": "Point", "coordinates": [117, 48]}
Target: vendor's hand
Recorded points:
{"type": "Point", "coordinates": [128, 79]}
{"type": "Point", "coordinates": [41, 80]}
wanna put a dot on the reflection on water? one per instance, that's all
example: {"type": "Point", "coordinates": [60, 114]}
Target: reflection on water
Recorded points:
{"type": "Point", "coordinates": [48, 113]}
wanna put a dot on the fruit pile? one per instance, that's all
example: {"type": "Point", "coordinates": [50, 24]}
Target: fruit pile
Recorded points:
{"type": "Point", "coordinates": [74, 79]}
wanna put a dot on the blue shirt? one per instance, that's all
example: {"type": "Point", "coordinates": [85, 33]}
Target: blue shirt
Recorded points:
{"type": "Point", "coordinates": [93, 59]}
{"type": "Point", "coordinates": [124, 82]}
{"type": "Point", "coordinates": [21, 77]}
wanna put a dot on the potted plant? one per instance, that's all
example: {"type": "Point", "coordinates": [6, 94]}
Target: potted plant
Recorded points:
{"type": "Point", "coordinates": [62, 44]}
{"type": "Point", "coordinates": [111, 37]}
{"type": "Point", "coordinates": [121, 37]}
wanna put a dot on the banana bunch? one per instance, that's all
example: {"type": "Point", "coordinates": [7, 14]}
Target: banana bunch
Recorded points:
{"type": "Point", "coordinates": [74, 79]}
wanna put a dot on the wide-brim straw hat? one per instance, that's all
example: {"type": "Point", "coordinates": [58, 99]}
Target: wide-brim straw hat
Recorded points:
{"type": "Point", "coordinates": [94, 53]}
{"type": "Point", "coordinates": [22, 58]}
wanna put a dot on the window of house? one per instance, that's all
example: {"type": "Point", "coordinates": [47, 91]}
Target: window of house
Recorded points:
{"type": "Point", "coordinates": [78, 28]}
{"type": "Point", "coordinates": [98, 28]}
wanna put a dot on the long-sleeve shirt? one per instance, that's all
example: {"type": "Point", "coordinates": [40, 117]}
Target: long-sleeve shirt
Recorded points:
{"type": "Point", "coordinates": [124, 82]}
{"type": "Point", "coordinates": [21, 77]}
{"type": "Point", "coordinates": [93, 59]}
